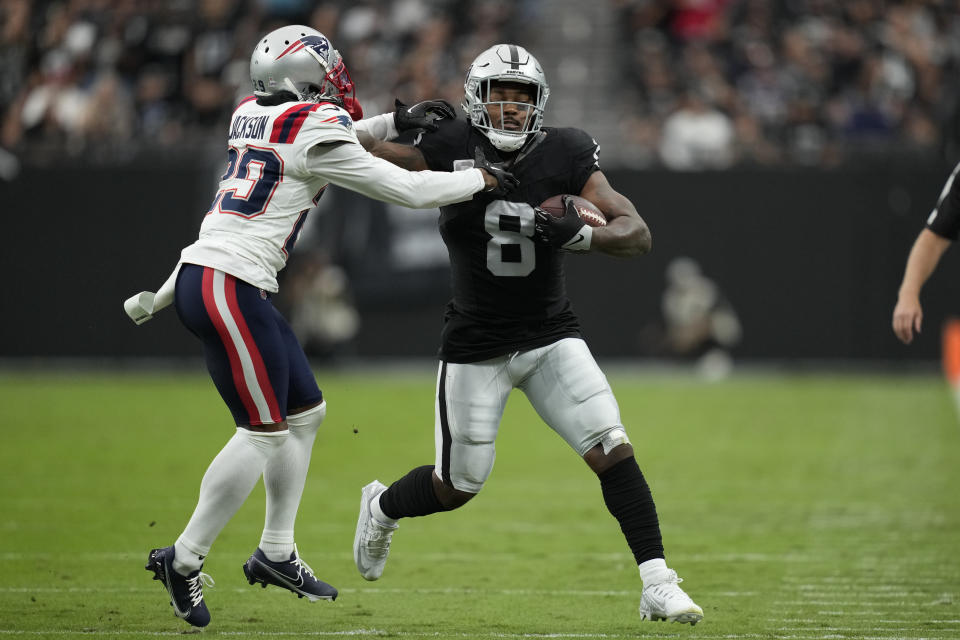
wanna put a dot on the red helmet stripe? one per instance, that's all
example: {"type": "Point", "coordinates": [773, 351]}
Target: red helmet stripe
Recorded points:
{"type": "Point", "coordinates": [296, 46]}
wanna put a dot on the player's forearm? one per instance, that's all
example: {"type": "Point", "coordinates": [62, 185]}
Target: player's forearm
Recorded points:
{"type": "Point", "coordinates": [626, 233]}
{"type": "Point", "coordinates": [624, 237]}
{"type": "Point", "coordinates": [923, 260]}
{"type": "Point", "coordinates": [405, 156]}
{"type": "Point", "coordinates": [349, 166]}
{"type": "Point", "coordinates": [381, 127]}
{"type": "Point", "coordinates": [425, 189]}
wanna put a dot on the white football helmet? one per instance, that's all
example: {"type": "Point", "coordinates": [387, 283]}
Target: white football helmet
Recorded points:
{"type": "Point", "coordinates": [302, 61]}
{"type": "Point", "coordinates": [505, 63]}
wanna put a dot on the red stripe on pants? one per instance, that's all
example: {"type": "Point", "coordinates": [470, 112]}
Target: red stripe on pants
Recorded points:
{"type": "Point", "coordinates": [236, 367]}
{"type": "Point", "coordinates": [263, 380]}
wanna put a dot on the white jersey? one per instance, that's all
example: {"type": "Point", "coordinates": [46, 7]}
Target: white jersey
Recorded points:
{"type": "Point", "coordinates": [275, 174]}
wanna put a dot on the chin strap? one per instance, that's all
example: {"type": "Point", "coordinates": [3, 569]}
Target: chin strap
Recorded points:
{"type": "Point", "coordinates": [349, 104]}
{"type": "Point", "coordinates": [292, 88]}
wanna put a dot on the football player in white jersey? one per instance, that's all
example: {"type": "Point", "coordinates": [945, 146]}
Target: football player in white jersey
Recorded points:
{"type": "Point", "coordinates": [286, 144]}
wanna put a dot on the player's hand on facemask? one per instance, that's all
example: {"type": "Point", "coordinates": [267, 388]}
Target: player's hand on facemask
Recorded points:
{"type": "Point", "coordinates": [502, 182]}
{"type": "Point", "coordinates": [422, 115]}
{"type": "Point", "coordinates": [566, 232]}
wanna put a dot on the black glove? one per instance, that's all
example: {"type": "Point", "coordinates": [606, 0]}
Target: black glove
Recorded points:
{"type": "Point", "coordinates": [422, 115]}
{"type": "Point", "coordinates": [506, 182]}
{"type": "Point", "coordinates": [566, 232]}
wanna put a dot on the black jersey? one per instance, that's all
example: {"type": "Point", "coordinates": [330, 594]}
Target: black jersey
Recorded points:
{"type": "Point", "coordinates": [944, 220]}
{"type": "Point", "coordinates": [508, 291]}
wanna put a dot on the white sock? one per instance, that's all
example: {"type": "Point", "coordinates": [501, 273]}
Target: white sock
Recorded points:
{"type": "Point", "coordinates": [378, 513]}
{"type": "Point", "coordinates": [284, 478]}
{"type": "Point", "coordinates": [228, 481]}
{"type": "Point", "coordinates": [653, 571]}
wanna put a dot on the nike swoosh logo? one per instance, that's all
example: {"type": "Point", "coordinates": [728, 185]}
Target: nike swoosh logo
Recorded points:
{"type": "Point", "coordinates": [579, 238]}
{"type": "Point", "coordinates": [177, 610]}
{"type": "Point", "coordinates": [280, 576]}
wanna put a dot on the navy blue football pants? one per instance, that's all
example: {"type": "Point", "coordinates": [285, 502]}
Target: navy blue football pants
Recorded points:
{"type": "Point", "coordinates": [255, 360]}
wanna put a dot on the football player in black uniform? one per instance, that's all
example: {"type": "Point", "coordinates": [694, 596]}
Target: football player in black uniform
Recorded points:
{"type": "Point", "coordinates": [942, 229]}
{"type": "Point", "coordinates": [510, 324]}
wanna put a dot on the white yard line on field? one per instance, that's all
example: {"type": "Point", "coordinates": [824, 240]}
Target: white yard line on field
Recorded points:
{"type": "Point", "coordinates": [479, 556]}
{"type": "Point", "coordinates": [628, 593]}
{"type": "Point", "coordinates": [813, 621]}
{"type": "Point", "coordinates": [689, 635]}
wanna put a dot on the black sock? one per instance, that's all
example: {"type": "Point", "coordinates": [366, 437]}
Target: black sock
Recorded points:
{"type": "Point", "coordinates": [628, 498]}
{"type": "Point", "coordinates": [411, 496]}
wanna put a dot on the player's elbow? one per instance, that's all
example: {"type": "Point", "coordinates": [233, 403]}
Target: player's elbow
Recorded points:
{"type": "Point", "coordinates": [644, 241]}
{"type": "Point", "coordinates": [637, 241]}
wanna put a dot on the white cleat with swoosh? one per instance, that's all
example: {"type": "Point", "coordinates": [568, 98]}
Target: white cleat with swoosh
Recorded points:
{"type": "Point", "coordinates": [665, 600]}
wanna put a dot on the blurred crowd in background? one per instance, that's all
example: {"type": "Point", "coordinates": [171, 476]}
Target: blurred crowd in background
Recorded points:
{"type": "Point", "coordinates": [695, 84]}
{"type": "Point", "coordinates": [808, 82]}
{"type": "Point", "coordinates": [108, 77]}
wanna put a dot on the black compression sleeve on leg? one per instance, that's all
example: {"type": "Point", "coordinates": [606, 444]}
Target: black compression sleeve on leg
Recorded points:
{"type": "Point", "coordinates": [412, 495]}
{"type": "Point", "coordinates": [627, 495]}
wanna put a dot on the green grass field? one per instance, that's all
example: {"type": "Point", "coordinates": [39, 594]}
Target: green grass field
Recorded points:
{"type": "Point", "coordinates": [794, 507]}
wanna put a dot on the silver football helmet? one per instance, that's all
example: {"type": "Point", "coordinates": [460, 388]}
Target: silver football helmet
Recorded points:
{"type": "Point", "coordinates": [504, 63]}
{"type": "Point", "coordinates": [302, 61]}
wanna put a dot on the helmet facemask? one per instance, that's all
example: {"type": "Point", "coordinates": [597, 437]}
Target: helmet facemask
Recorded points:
{"type": "Point", "coordinates": [511, 65]}
{"type": "Point", "coordinates": [527, 119]}
{"type": "Point", "coordinates": [336, 85]}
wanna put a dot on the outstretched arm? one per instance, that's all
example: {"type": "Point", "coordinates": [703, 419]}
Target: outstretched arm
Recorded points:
{"type": "Point", "coordinates": [626, 234]}
{"type": "Point", "coordinates": [348, 165]}
{"type": "Point", "coordinates": [924, 256]}
{"type": "Point", "coordinates": [402, 155]}
{"type": "Point", "coordinates": [411, 158]}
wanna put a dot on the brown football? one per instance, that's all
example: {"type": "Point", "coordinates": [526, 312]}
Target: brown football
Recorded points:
{"type": "Point", "coordinates": [588, 211]}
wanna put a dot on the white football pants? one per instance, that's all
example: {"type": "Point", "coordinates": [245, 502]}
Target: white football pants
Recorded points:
{"type": "Point", "coordinates": [561, 380]}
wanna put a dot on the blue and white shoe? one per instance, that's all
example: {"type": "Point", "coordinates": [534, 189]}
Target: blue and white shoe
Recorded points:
{"type": "Point", "coordinates": [293, 575]}
{"type": "Point", "coordinates": [186, 592]}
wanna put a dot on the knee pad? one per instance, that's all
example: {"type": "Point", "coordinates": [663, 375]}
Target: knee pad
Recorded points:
{"type": "Point", "coordinates": [470, 465]}
{"type": "Point", "coordinates": [308, 420]}
{"type": "Point", "coordinates": [265, 442]}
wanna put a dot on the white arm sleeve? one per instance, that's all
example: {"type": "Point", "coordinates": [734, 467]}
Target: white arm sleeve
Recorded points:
{"type": "Point", "coordinates": [348, 165]}
{"type": "Point", "coordinates": [381, 127]}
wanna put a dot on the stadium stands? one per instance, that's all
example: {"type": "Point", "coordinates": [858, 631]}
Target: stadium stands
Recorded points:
{"type": "Point", "coordinates": [704, 84]}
